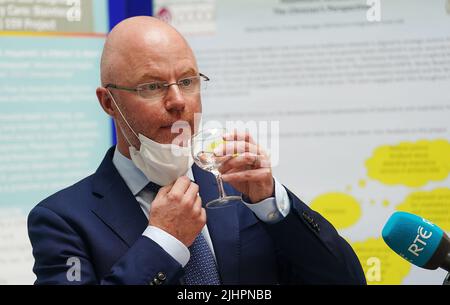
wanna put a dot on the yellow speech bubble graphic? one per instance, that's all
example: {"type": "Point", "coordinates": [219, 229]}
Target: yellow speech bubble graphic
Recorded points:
{"type": "Point", "coordinates": [342, 210]}
{"type": "Point", "coordinates": [213, 145]}
{"type": "Point", "coordinates": [413, 164]}
{"type": "Point", "coordinates": [362, 183]}
{"type": "Point", "coordinates": [381, 265]}
{"type": "Point", "coordinates": [432, 205]}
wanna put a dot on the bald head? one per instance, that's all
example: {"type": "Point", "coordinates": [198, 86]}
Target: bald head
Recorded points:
{"type": "Point", "coordinates": [139, 41]}
{"type": "Point", "coordinates": [138, 51]}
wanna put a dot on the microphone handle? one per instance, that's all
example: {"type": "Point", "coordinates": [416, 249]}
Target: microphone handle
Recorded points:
{"type": "Point", "coordinates": [447, 280]}
{"type": "Point", "coordinates": [441, 257]}
{"type": "Point", "coordinates": [446, 264]}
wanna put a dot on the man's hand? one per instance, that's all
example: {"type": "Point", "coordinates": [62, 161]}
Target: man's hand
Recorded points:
{"type": "Point", "coordinates": [247, 167]}
{"type": "Point", "coordinates": [177, 209]}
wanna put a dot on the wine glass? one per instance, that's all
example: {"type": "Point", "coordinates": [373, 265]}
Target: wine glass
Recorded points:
{"type": "Point", "coordinates": [203, 144]}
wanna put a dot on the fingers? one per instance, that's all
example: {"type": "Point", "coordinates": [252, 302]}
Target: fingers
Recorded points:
{"type": "Point", "coordinates": [239, 136]}
{"type": "Point", "coordinates": [178, 190]}
{"type": "Point", "coordinates": [183, 191]}
{"type": "Point", "coordinates": [254, 175]}
{"type": "Point", "coordinates": [203, 215]}
{"type": "Point", "coordinates": [245, 161]}
{"type": "Point", "coordinates": [177, 209]}
{"type": "Point", "coordinates": [164, 190]}
{"type": "Point", "coordinates": [243, 154]}
{"type": "Point", "coordinates": [236, 147]}
{"type": "Point", "coordinates": [191, 194]}
{"type": "Point", "coordinates": [237, 143]}
{"type": "Point", "coordinates": [197, 208]}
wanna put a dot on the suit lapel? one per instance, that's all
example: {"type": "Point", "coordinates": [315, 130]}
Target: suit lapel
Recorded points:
{"type": "Point", "coordinates": [223, 226]}
{"type": "Point", "coordinates": [117, 207]}
{"type": "Point", "coordinates": [120, 211]}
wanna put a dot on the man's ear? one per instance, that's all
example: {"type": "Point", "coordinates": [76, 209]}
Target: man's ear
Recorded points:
{"type": "Point", "coordinates": [105, 101]}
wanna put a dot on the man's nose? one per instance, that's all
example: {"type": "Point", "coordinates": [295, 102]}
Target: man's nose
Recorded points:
{"type": "Point", "coordinates": [174, 100]}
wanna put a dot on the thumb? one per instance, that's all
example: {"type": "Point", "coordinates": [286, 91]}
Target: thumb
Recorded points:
{"type": "Point", "coordinates": [164, 190]}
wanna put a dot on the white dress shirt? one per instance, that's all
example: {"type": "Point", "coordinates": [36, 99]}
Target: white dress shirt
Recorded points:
{"type": "Point", "coordinates": [270, 210]}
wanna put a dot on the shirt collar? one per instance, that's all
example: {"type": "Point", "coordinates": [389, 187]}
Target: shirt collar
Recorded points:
{"type": "Point", "coordinates": [134, 178]}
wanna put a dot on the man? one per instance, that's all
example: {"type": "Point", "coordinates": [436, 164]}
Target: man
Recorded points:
{"type": "Point", "coordinates": [119, 226]}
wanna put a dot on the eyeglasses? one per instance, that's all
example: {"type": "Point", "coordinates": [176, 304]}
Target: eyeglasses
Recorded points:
{"type": "Point", "coordinates": [157, 90]}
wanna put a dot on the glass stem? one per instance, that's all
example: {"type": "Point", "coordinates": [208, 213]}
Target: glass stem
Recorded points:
{"type": "Point", "coordinates": [220, 186]}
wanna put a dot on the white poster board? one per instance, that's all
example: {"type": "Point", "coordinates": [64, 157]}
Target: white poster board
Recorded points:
{"type": "Point", "coordinates": [362, 96]}
{"type": "Point", "coordinates": [52, 130]}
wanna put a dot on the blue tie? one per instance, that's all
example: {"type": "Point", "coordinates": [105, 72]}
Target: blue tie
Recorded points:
{"type": "Point", "coordinates": [201, 268]}
{"type": "Point", "coordinates": [153, 187]}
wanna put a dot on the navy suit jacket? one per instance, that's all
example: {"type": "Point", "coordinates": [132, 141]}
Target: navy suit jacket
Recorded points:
{"type": "Point", "coordinates": [98, 222]}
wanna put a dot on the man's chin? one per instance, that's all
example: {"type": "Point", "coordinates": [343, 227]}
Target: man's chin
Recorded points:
{"type": "Point", "coordinates": [165, 135]}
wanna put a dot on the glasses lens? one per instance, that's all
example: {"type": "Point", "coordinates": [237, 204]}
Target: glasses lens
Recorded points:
{"type": "Point", "coordinates": [152, 91]}
{"type": "Point", "coordinates": [157, 91]}
{"type": "Point", "coordinates": [190, 85]}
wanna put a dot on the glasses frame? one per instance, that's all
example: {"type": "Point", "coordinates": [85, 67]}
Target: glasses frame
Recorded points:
{"type": "Point", "coordinates": [139, 88]}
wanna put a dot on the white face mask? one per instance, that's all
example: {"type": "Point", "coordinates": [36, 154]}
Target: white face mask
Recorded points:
{"type": "Point", "coordinates": [160, 163]}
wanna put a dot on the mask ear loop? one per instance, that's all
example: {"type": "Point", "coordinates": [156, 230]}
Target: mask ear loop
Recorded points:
{"type": "Point", "coordinates": [123, 117]}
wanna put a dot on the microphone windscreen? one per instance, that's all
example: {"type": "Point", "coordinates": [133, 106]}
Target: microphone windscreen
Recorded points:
{"type": "Point", "coordinates": [412, 237]}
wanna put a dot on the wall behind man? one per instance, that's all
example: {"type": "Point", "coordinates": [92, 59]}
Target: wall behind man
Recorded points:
{"type": "Point", "coordinates": [120, 10]}
{"type": "Point", "coordinates": [356, 97]}
{"type": "Point", "coordinates": [52, 130]}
